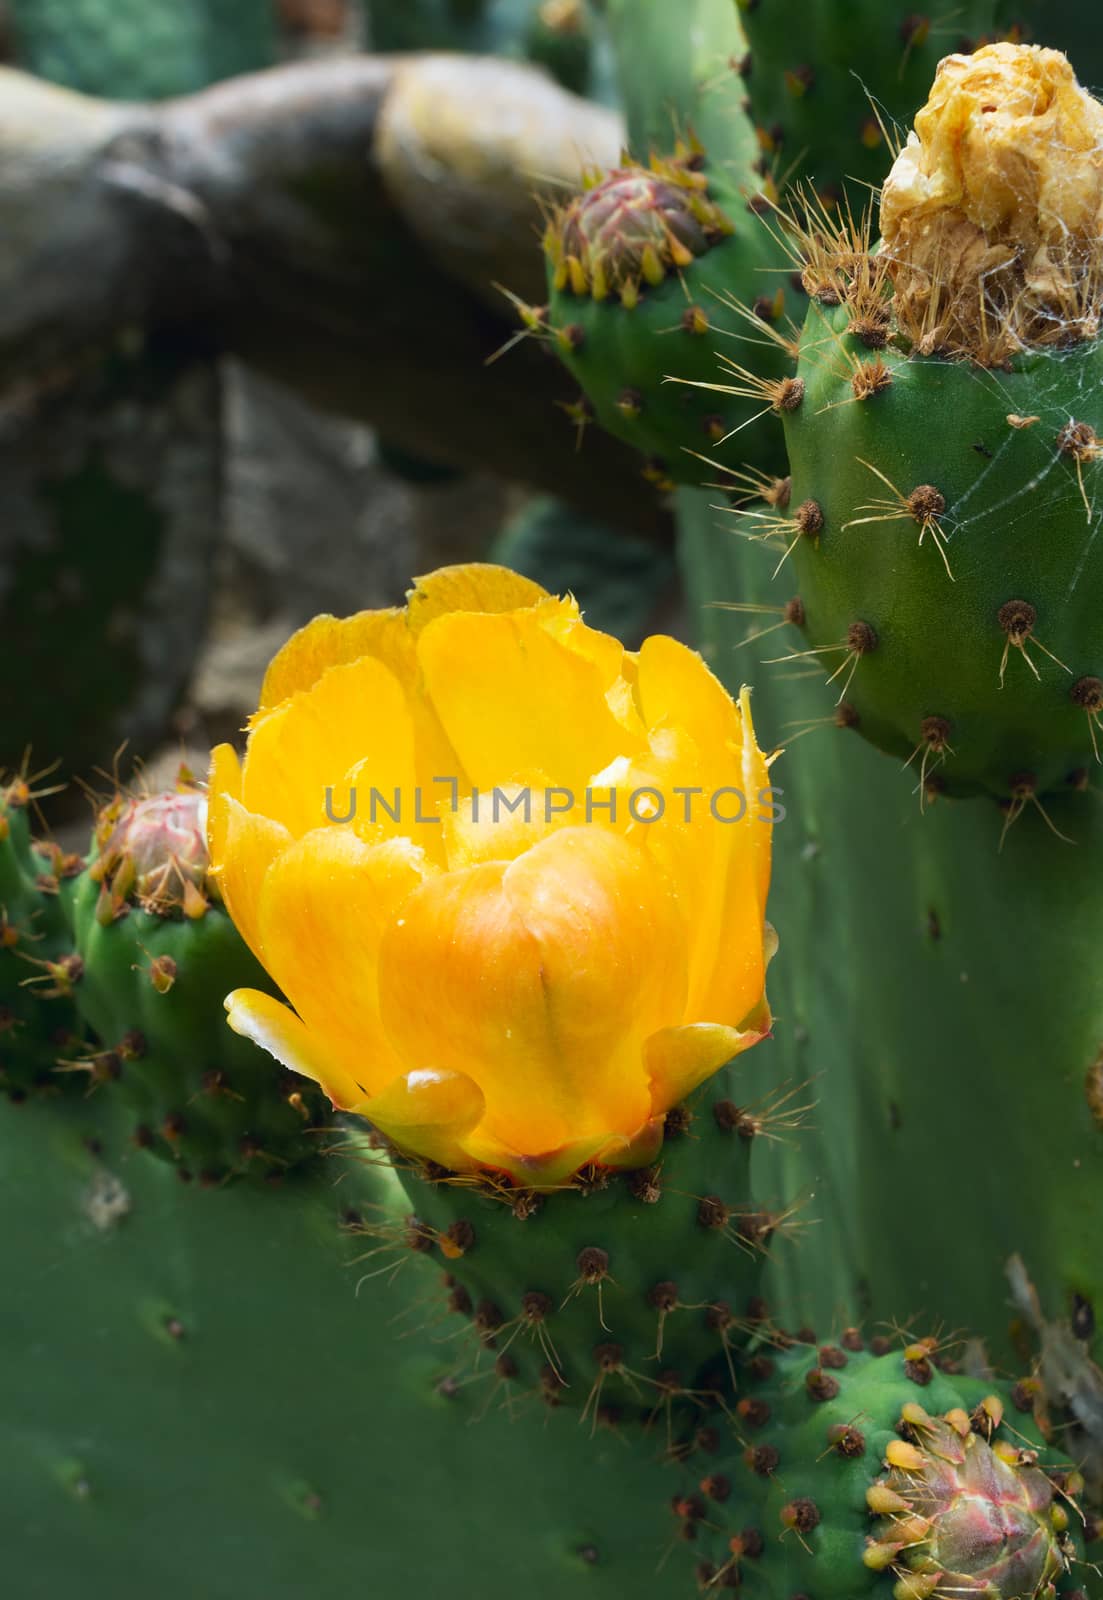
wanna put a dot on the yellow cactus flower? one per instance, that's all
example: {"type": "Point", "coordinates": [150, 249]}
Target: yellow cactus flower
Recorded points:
{"type": "Point", "coordinates": [510, 877]}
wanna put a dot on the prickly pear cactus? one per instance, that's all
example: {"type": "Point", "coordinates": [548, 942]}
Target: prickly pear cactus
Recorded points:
{"type": "Point", "coordinates": [906, 923]}
{"type": "Point", "coordinates": [638, 266]}
{"type": "Point", "coordinates": [135, 50]}
{"type": "Point", "coordinates": [623, 1294]}
{"type": "Point", "coordinates": [828, 88]}
{"type": "Point", "coordinates": [851, 1473]}
{"type": "Point", "coordinates": [941, 516]}
{"type": "Point", "coordinates": [156, 950]}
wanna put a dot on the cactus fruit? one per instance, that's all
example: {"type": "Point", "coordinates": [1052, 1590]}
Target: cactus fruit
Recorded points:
{"type": "Point", "coordinates": [852, 1473]}
{"type": "Point", "coordinates": [947, 454]}
{"type": "Point", "coordinates": [623, 1294]}
{"type": "Point", "coordinates": [639, 264]}
{"type": "Point", "coordinates": [40, 1032]}
{"type": "Point", "coordinates": [158, 954]}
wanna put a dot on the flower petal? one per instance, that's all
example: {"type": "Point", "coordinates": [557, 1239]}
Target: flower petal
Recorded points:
{"type": "Point", "coordinates": [428, 1113]}
{"type": "Point", "coordinates": [515, 701]}
{"type": "Point", "coordinates": [355, 716]}
{"type": "Point", "coordinates": [275, 1028]}
{"type": "Point", "coordinates": [551, 1168]}
{"type": "Point", "coordinates": [333, 642]}
{"type": "Point", "coordinates": [675, 687]}
{"type": "Point", "coordinates": [712, 864]}
{"type": "Point", "coordinates": [498, 826]}
{"type": "Point", "coordinates": [326, 905]}
{"type": "Point", "coordinates": [546, 976]}
{"type": "Point", "coordinates": [678, 1059]}
{"type": "Point", "coordinates": [242, 847]}
{"type": "Point", "coordinates": [474, 586]}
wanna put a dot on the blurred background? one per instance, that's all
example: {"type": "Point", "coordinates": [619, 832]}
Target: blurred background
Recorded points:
{"type": "Point", "coordinates": [244, 332]}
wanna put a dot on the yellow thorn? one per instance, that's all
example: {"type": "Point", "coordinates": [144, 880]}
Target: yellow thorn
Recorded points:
{"type": "Point", "coordinates": [651, 266]}
{"type": "Point", "coordinates": [878, 1556]}
{"type": "Point", "coordinates": [899, 1453]}
{"type": "Point", "coordinates": [576, 276]}
{"type": "Point", "coordinates": [885, 1502]}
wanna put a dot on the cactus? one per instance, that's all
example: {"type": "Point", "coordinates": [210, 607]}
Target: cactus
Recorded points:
{"type": "Point", "coordinates": [131, 50]}
{"type": "Point", "coordinates": [825, 93]}
{"type": "Point", "coordinates": [640, 272]}
{"type": "Point", "coordinates": [155, 951]}
{"type": "Point", "coordinates": [40, 1031]}
{"type": "Point", "coordinates": [242, 1357]}
{"type": "Point", "coordinates": [942, 507]}
{"type": "Point", "coordinates": [623, 1294]}
{"type": "Point", "coordinates": [638, 267]}
{"type": "Point", "coordinates": [851, 1473]}
{"type": "Point", "coordinates": [534, 1206]}
{"type": "Point", "coordinates": [866, 890]}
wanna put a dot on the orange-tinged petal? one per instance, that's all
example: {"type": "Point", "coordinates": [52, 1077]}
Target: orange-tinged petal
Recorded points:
{"type": "Point", "coordinates": [678, 1059]}
{"type": "Point", "coordinates": [242, 849]}
{"type": "Point", "coordinates": [333, 642]}
{"type": "Point", "coordinates": [546, 975]}
{"type": "Point", "coordinates": [354, 716]}
{"type": "Point", "coordinates": [275, 1028]}
{"type": "Point", "coordinates": [497, 825]}
{"type": "Point", "coordinates": [324, 910]}
{"type": "Point", "coordinates": [428, 1113]}
{"type": "Point", "coordinates": [551, 1168]}
{"type": "Point", "coordinates": [513, 700]}
{"type": "Point", "coordinates": [476, 586]}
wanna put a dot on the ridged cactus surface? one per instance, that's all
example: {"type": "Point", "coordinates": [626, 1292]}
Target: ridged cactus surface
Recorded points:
{"type": "Point", "coordinates": [623, 1294]}
{"type": "Point", "coordinates": [216, 1392]}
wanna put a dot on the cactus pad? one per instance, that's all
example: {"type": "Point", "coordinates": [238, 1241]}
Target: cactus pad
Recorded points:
{"type": "Point", "coordinates": [159, 954]}
{"type": "Point", "coordinates": [623, 1294]}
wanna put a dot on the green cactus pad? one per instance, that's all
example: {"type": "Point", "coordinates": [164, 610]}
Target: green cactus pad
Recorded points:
{"type": "Point", "coordinates": [825, 81]}
{"type": "Point", "coordinates": [40, 1031]}
{"type": "Point", "coordinates": [158, 959]}
{"type": "Point", "coordinates": [624, 1294]}
{"type": "Point", "coordinates": [640, 268]}
{"type": "Point", "coordinates": [142, 49]}
{"type": "Point", "coordinates": [207, 1394]}
{"type": "Point", "coordinates": [950, 580]}
{"type": "Point", "coordinates": [850, 1473]}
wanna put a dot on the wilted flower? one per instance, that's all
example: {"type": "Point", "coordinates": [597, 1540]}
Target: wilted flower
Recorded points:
{"type": "Point", "coordinates": [528, 935]}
